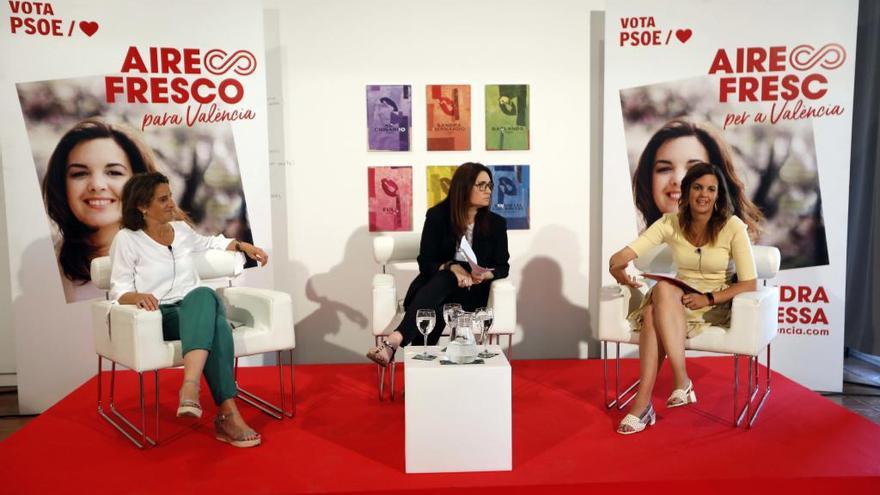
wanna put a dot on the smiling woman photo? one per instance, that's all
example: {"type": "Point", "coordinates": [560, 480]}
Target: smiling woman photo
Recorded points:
{"type": "Point", "coordinates": [670, 153]}
{"type": "Point", "coordinates": [82, 191]}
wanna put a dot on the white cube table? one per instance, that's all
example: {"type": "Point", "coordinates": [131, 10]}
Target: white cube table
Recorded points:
{"type": "Point", "coordinates": [458, 417]}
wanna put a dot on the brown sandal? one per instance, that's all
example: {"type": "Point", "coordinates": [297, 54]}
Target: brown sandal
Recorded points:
{"type": "Point", "coordinates": [244, 438]}
{"type": "Point", "coordinates": [378, 356]}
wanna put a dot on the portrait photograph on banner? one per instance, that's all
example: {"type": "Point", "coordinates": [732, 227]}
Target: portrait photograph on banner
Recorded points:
{"type": "Point", "coordinates": [773, 167]}
{"type": "Point", "coordinates": [84, 151]}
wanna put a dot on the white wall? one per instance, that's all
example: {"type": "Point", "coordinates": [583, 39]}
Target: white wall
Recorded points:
{"type": "Point", "coordinates": [331, 51]}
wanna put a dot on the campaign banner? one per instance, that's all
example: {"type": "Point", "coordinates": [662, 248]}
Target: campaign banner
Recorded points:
{"type": "Point", "coordinates": [772, 109]}
{"type": "Point", "coordinates": [390, 198]}
{"type": "Point", "coordinates": [93, 93]}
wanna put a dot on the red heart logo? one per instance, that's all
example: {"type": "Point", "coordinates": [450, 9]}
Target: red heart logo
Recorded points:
{"type": "Point", "coordinates": [683, 35]}
{"type": "Point", "coordinates": [88, 27]}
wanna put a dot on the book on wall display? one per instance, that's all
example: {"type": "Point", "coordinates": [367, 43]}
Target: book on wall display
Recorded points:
{"type": "Point", "coordinates": [507, 117]}
{"type": "Point", "coordinates": [438, 178]}
{"type": "Point", "coordinates": [390, 198]}
{"type": "Point", "coordinates": [510, 196]}
{"type": "Point", "coordinates": [389, 117]}
{"type": "Point", "coordinates": [448, 117]}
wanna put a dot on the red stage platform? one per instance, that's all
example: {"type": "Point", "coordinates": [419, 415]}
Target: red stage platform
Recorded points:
{"type": "Point", "coordinates": [344, 440]}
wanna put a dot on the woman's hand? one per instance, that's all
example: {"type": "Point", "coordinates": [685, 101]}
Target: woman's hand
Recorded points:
{"type": "Point", "coordinates": [142, 300]}
{"type": "Point", "coordinates": [483, 277]}
{"type": "Point", "coordinates": [623, 278]}
{"type": "Point", "coordinates": [462, 275]}
{"type": "Point", "coordinates": [694, 301]}
{"type": "Point", "coordinates": [254, 253]}
{"type": "Point", "coordinates": [617, 267]}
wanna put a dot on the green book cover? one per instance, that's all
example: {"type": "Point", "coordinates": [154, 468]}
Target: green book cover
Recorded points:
{"type": "Point", "coordinates": [507, 117]}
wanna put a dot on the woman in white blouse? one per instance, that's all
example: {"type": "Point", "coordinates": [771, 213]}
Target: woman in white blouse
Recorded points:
{"type": "Point", "coordinates": [153, 268]}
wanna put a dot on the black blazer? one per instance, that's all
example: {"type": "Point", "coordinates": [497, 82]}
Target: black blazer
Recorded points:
{"type": "Point", "coordinates": [438, 245]}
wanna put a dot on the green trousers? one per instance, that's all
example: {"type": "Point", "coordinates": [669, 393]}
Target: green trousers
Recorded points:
{"type": "Point", "coordinates": [199, 322]}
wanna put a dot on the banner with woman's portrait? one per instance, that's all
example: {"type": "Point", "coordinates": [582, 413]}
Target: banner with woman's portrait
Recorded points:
{"type": "Point", "coordinates": [771, 108]}
{"type": "Point", "coordinates": [111, 89]}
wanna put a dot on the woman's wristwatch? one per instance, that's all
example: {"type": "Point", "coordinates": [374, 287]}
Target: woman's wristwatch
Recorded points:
{"type": "Point", "coordinates": [711, 298]}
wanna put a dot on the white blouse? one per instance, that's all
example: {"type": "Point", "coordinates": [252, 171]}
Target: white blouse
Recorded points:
{"type": "Point", "coordinates": [140, 264]}
{"type": "Point", "coordinates": [469, 235]}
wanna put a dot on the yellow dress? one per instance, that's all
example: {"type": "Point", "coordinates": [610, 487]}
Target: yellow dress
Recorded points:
{"type": "Point", "coordinates": [707, 268]}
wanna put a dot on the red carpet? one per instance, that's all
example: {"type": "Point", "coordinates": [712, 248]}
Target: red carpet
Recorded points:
{"type": "Point", "coordinates": [344, 440]}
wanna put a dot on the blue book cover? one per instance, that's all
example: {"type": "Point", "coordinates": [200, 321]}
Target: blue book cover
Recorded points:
{"type": "Point", "coordinates": [510, 197]}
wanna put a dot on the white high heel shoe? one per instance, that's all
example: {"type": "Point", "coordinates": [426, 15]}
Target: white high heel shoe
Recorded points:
{"type": "Point", "coordinates": [634, 424]}
{"type": "Point", "coordinates": [682, 396]}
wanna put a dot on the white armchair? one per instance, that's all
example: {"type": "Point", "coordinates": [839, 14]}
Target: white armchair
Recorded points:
{"type": "Point", "coordinates": [752, 329]}
{"type": "Point", "coordinates": [390, 249]}
{"type": "Point", "coordinates": [262, 321]}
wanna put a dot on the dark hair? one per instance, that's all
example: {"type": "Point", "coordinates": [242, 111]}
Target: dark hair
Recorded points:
{"type": "Point", "coordinates": [459, 198]}
{"type": "Point", "coordinates": [719, 154]}
{"type": "Point", "coordinates": [137, 193]}
{"type": "Point", "coordinates": [76, 252]}
{"type": "Point", "coordinates": [722, 210]}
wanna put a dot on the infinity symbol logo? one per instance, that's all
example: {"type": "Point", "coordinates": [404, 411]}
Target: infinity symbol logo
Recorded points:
{"type": "Point", "coordinates": [830, 56]}
{"type": "Point", "coordinates": [242, 61]}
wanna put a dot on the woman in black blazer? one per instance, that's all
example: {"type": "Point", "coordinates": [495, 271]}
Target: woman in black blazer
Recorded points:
{"type": "Point", "coordinates": [444, 275]}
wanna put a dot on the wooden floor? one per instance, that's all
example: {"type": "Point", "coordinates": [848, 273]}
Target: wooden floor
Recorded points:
{"type": "Point", "coordinates": [861, 395]}
{"type": "Point", "coordinates": [10, 422]}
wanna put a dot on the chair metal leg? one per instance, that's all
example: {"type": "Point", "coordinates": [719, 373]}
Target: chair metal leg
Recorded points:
{"type": "Point", "coordinates": [766, 390]}
{"type": "Point", "coordinates": [735, 389]}
{"type": "Point", "coordinates": [277, 412]}
{"type": "Point", "coordinates": [509, 347]}
{"type": "Point", "coordinates": [380, 371]}
{"type": "Point", "coordinates": [753, 388]}
{"type": "Point", "coordinates": [393, 366]}
{"type": "Point", "coordinates": [133, 433]}
{"type": "Point", "coordinates": [618, 395]}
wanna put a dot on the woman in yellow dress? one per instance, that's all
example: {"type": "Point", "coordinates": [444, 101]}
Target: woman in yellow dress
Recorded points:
{"type": "Point", "coordinates": [704, 236]}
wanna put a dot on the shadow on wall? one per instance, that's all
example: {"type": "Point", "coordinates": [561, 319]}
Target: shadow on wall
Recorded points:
{"type": "Point", "coordinates": [57, 332]}
{"type": "Point", "coordinates": [336, 331]}
{"type": "Point", "coordinates": [552, 325]}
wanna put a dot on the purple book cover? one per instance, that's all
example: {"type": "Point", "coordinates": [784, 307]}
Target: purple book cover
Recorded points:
{"type": "Point", "coordinates": [390, 191]}
{"type": "Point", "coordinates": [389, 117]}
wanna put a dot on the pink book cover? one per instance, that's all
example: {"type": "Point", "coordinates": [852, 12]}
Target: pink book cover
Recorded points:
{"type": "Point", "coordinates": [390, 203]}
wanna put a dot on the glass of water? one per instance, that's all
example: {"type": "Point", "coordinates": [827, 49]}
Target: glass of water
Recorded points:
{"type": "Point", "coordinates": [450, 313]}
{"type": "Point", "coordinates": [425, 320]}
{"type": "Point", "coordinates": [485, 317]}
